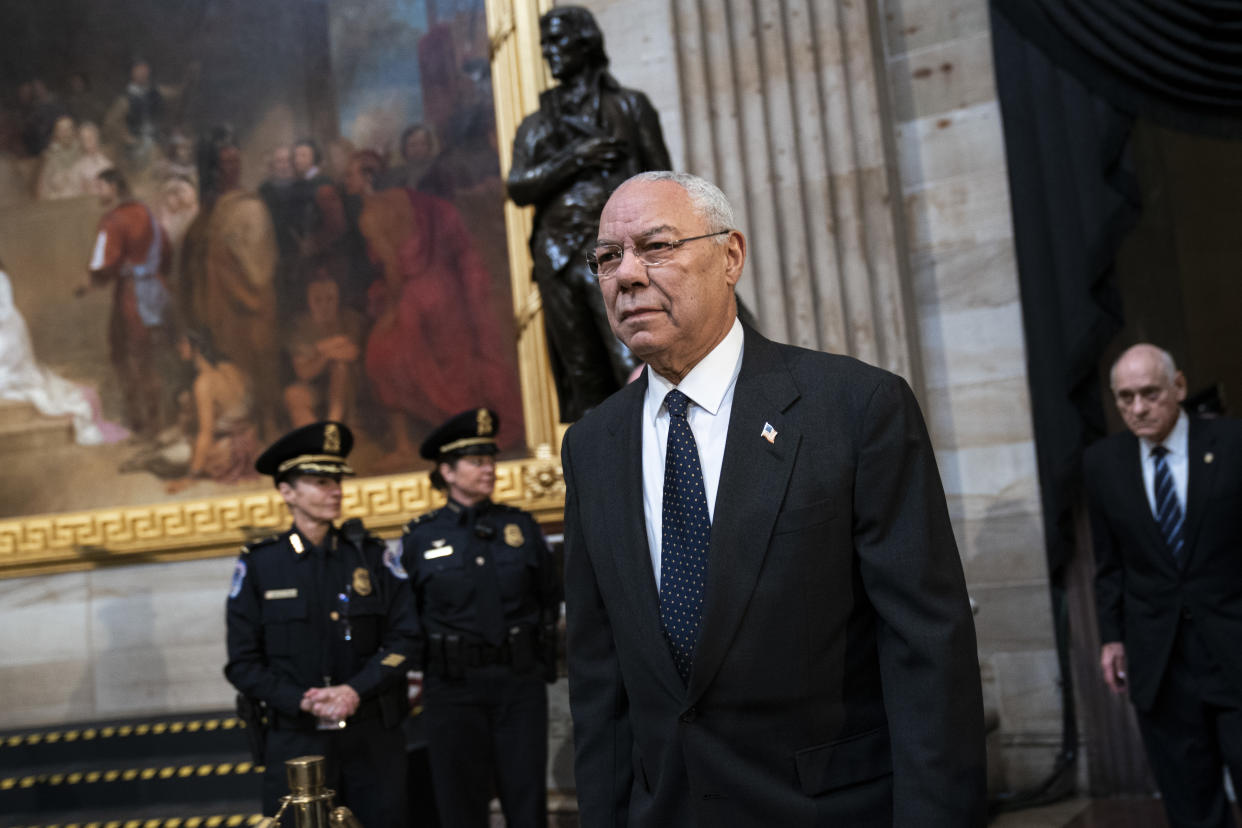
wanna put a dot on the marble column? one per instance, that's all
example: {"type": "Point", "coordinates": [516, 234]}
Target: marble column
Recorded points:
{"type": "Point", "coordinates": [783, 106]}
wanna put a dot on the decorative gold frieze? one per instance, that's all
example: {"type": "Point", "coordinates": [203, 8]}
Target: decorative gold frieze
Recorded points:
{"type": "Point", "coordinates": [217, 526]}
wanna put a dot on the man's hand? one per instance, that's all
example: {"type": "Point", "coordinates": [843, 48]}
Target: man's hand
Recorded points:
{"type": "Point", "coordinates": [339, 701]}
{"type": "Point", "coordinates": [603, 153]}
{"type": "Point", "coordinates": [1113, 665]}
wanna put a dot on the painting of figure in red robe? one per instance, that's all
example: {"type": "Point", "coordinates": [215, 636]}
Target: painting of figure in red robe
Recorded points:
{"type": "Point", "coordinates": [220, 220]}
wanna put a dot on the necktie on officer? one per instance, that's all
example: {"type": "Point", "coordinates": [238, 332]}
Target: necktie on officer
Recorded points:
{"type": "Point", "coordinates": [1168, 510]}
{"type": "Point", "coordinates": [685, 533]}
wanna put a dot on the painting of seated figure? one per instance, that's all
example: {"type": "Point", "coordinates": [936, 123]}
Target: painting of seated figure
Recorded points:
{"type": "Point", "coordinates": [223, 220]}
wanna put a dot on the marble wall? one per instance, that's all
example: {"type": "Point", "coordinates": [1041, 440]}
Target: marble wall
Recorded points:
{"type": "Point", "coordinates": [959, 246]}
{"type": "Point", "coordinates": [114, 642]}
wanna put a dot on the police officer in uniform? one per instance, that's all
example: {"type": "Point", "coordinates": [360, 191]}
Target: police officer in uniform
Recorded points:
{"type": "Point", "coordinates": [321, 633]}
{"type": "Point", "coordinates": [488, 598]}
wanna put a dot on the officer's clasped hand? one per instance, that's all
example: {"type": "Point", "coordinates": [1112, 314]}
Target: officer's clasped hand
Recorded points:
{"type": "Point", "coordinates": [337, 702]}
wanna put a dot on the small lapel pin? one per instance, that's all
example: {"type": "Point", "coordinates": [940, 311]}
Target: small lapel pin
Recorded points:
{"type": "Point", "coordinates": [768, 433]}
{"type": "Point", "coordinates": [1209, 457]}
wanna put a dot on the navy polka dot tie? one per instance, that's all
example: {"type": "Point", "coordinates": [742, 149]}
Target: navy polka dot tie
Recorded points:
{"type": "Point", "coordinates": [685, 530]}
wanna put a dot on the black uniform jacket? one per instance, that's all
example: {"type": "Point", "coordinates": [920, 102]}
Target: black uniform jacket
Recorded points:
{"type": "Point", "coordinates": [442, 550]}
{"type": "Point", "coordinates": [338, 614]}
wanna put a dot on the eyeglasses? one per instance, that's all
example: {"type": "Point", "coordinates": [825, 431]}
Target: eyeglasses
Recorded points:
{"type": "Point", "coordinates": [605, 260]}
{"type": "Point", "coordinates": [1150, 394]}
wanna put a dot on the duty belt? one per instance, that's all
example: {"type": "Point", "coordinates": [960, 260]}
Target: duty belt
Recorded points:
{"type": "Point", "coordinates": [449, 654]}
{"type": "Point", "coordinates": [482, 655]}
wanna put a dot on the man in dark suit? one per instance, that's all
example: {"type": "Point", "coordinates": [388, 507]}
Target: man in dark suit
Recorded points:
{"type": "Point", "coordinates": [1166, 520]}
{"type": "Point", "coordinates": [767, 619]}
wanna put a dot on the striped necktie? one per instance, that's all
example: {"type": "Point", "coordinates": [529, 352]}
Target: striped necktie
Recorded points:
{"type": "Point", "coordinates": [1168, 510]}
{"type": "Point", "coordinates": [685, 532]}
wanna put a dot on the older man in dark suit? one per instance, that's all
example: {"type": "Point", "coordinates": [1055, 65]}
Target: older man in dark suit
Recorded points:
{"type": "Point", "coordinates": [768, 623]}
{"type": "Point", "coordinates": [1166, 520]}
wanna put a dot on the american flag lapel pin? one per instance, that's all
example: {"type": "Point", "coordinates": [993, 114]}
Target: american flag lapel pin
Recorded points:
{"type": "Point", "coordinates": [768, 433]}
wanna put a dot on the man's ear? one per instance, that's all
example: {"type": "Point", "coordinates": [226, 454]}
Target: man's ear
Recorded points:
{"type": "Point", "coordinates": [735, 256]}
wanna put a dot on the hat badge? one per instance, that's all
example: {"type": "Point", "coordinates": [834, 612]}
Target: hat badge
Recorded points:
{"type": "Point", "coordinates": [484, 420]}
{"type": "Point", "coordinates": [331, 439]}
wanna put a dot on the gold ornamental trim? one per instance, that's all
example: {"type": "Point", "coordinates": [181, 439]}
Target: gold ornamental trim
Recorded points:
{"type": "Point", "coordinates": [466, 443]}
{"type": "Point", "coordinates": [332, 463]}
{"type": "Point", "coordinates": [215, 527]}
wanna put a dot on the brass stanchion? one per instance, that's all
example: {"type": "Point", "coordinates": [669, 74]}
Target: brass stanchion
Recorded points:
{"type": "Point", "coordinates": [310, 801]}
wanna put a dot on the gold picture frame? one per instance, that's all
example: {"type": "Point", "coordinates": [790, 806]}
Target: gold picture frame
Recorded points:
{"type": "Point", "coordinates": [216, 526]}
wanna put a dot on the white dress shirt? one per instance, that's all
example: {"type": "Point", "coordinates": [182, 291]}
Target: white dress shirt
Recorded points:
{"type": "Point", "coordinates": [1178, 461]}
{"type": "Point", "coordinates": [709, 385]}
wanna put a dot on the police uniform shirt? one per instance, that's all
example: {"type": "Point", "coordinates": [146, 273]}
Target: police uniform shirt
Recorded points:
{"type": "Point", "coordinates": [441, 549]}
{"type": "Point", "coordinates": [301, 616]}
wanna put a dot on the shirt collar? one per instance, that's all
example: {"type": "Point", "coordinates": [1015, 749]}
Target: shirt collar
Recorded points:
{"type": "Point", "coordinates": [1176, 441]}
{"type": "Point", "coordinates": [708, 381]}
{"type": "Point", "coordinates": [465, 513]}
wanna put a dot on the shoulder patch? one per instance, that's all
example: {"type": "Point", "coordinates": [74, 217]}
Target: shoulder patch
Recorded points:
{"type": "Point", "coordinates": [239, 578]}
{"type": "Point", "coordinates": [392, 560]}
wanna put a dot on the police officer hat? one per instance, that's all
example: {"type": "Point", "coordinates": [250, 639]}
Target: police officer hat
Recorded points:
{"type": "Point", "coordinates": [470, 432]}
{"type": "Point", "coordinates": [318, 448]}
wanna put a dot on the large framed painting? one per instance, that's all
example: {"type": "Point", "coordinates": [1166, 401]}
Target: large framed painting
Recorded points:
{"type": "Point", "coordinates": [223, 218]}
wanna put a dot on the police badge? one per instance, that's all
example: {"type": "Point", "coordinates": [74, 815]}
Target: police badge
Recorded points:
{"type": "Point", "coordinates": [362, 581]}
{"type": "Point", "coordinates": [513, 535]}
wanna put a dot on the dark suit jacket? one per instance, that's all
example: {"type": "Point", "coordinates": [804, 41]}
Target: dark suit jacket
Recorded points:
{"type": "Point", "coordinates": [1140, 592]}
{"type": "Point", "coordinates": [836, 678]}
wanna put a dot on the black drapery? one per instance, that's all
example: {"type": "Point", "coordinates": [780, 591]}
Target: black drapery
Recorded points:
{"type": "Point", "coordinates": [1178, 62]}
{"type": "Point", "coordinates": [1072, 76]}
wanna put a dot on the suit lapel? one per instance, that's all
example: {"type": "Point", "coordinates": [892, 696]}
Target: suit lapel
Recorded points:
{"type": "Point", "coordinates": [1201, 475]}
{"type": "Point", "coordinates": [1130, 462]}
{"type": "Point", "coordinates": [753, 479]}
{"type": "Point", "coordinates": [627, 533]}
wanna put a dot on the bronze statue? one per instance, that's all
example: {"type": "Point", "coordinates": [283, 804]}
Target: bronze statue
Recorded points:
{"type": "Point", "coordinates": [589, 135]}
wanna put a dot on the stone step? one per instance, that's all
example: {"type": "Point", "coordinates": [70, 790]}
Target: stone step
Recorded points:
{"type": "Point", "coordinates": [232, 813]}
{"type": "Point", "coordinates": [118, 739]}
{"type": "Point", "coordinates": [39, 434]}
{"type": "Point", "coordinates": [133, 785]}
{"type": "Point", "coordinates": [147, 767]}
